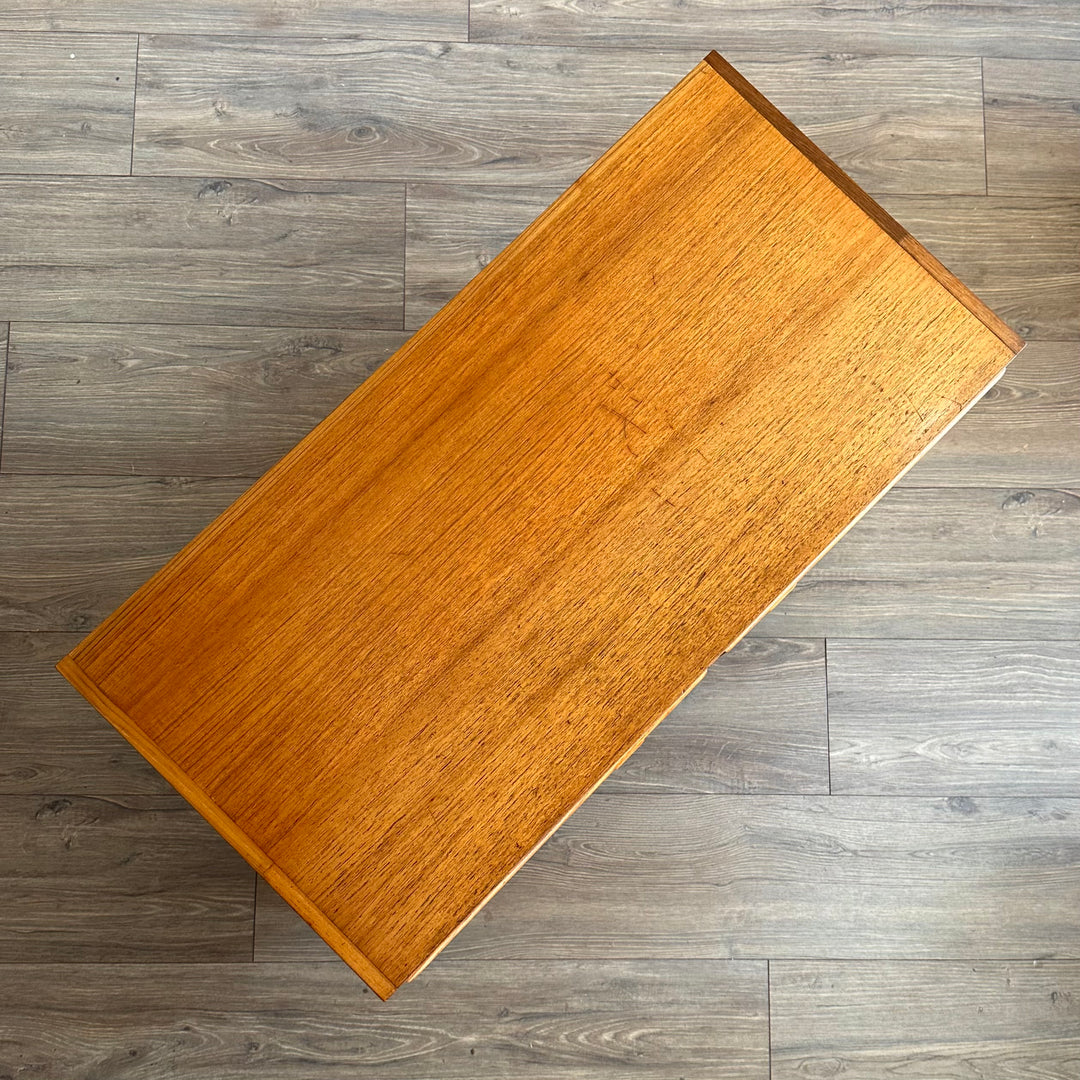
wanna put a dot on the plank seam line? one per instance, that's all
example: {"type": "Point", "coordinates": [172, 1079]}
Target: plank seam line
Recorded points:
{"type": "Point", "coordinates": [3, 386]}
{"type": "Point", "coordinates": [982, 102]}
{"type": "Point", "coordinates": [134, 104]}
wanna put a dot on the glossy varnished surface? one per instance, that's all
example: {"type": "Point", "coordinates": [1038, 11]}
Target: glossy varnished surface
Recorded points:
{"type": "Point", "coordinates": [390, 669]}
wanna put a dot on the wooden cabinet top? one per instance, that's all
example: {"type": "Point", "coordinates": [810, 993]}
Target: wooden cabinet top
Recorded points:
{"type": "Point", "coordinates": [393, 666]}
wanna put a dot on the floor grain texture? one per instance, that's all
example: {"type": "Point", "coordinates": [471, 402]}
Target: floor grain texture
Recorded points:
{"type": "Point", "coordinates": [69, 103]}
{"type": "Point", "coordinates": [541, 1020]}
{"type": "Point", "coordinates": [946, 563]}
{"type": "Point", "coordinates": [116, 399]}
{"type": "Point", "coordinates": [965, 717]}
{"type": "Point", "coordinates": [949, 1021]}
{"type": "Point", "coordinates": [772, 876]}
{"type": "Point", "coordinates": [51, 738]}
{"type": "Point", "coordinates": [135, 878]}
{"type": "Point", "coordinates": [1032, 126]}
{"type": "Point", "coordinates": [1044, 28]}
{"type": "Point", "coordinates": [278, 253]}
{"type": "Point", "coordinates": [870, 803]}
{"type": "Point", "coordinates": [75, 547]}
{"type": "Point", "coordinates": [420, 19]}
{"type": "Point", "coordinates": [517, 114]}
{"type": "Point", "coordinates": [1025, 430]}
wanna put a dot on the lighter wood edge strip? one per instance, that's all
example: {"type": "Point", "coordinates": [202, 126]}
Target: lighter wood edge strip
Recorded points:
{"type": "Point", "coordinates": [825, 164]}
{"type": "Point", "coordinates": [375, 978]}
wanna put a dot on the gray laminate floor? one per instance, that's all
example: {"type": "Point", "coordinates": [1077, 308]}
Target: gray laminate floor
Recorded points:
{"type": "Point", "coordinates": [854, 850]}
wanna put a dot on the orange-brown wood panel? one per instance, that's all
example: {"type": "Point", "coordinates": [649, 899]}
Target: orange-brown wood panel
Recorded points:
{"type": "Point", "coordinates": [412, 648]}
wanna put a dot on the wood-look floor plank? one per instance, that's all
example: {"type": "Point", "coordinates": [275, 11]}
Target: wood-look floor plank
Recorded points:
{"type": "Point", "coordinates": [497, 114]}
{"type": "Point", "coordinates": [1032, 126]}
{"type": "Point", "coordinates": [278, 253]}
{"type": "Point", "coordinates": [954, 717]}
{"type": "Point", "coordinates": [73, 548]}
{"type": "Point", "coordinates": [388, 110]}
{"type": "Point", "coordinates": [1026, 430]}
{"type": "Point", "coordinates": [175, 400]}
{"type": "Point", "coordinates": [125, 877]}
{"type": "Point", "coordinates": [778, 876]}
{"type": "Point", "coordinates": [658, 1020]}
{"type": "Point", "coordinates": [51, 739]}
{"type": "Point", "coordinates": [755, 723]}
{"type": "Point", "coordinates": [68, 102]}
{"type": "Point", "coordinates": [1049, 28]}
{"type": "Point", "coordinates": [4, 332]}
{"type": "Point", "coordinates": [409, 19]}
{"type": "Point", "coordinates": [878, 1021]}
{"type": "Point", "coordinates": [1021, 256]}
{"type": "Point", "coordinates": [946, 563]}
{"type": "Point", "coordinates": [453, 231]}
{"type": "Point", "coordinates": [282, 936]}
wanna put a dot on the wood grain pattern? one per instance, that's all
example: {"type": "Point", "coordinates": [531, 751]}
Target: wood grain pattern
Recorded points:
{"type": "Point", "coordinates": [4, 331]}
{"type": "Point", "coordinates": [1024, 431]}
{"type": "Point", "coordinates": [206, 251]}
{"type": "Point", "coordinates": [957, 718]}
{"type": "Point", "coordinates": [792, 875]}
{"type": "Point", "coordinates": [499, 114]}
{"type": "Point", "coordinates": [1049, 28]}
{"type": "Point", "coordinates": [1021, 255]}
{"type": "Point", "coordinates": [73, 547]}
{"type": "Point", "coordinates": [282, 936]}
{"type": "Point", "coordinates": [1032, 127]}
{"type": "Point", "coordinates": [420, 19]}
{"type": "Point", "coordinates": [68, 103]}
{"type": "Point", "coordinates": [50, 737]}
{"type": "Point", "coordinates": [452, 231]}
{"type": "Point", "coordinates": [388, 111]}
{"type": "Point", "coordinates": [137, 878]}
{"type": "Point", "coordinates": [755, 723]}
{"type": "Point", "coordinates": [946, 563]}
{"type": "Point", "coordinates": [175, 401]}
{"type": "Point", "coordinates": [947, 1021]}
{"type": "Point", "coordinates": [532, 511]}
{"type": "Point", "coordinates": [672, 1020]}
